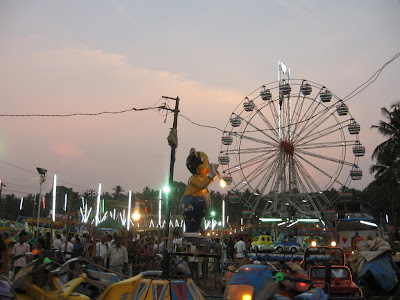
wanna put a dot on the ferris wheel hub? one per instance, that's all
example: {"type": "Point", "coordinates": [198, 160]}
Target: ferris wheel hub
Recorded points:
{"type": "Point", "coordinates": [288, 147]}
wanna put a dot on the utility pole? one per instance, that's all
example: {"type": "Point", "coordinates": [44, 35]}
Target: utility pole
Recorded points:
{"type": "Point", "coordinates": [173, 142]}
{"type": "Point", "coordinates": [2, 204]}
{"type": "Point", "coordinates": [42, 178]}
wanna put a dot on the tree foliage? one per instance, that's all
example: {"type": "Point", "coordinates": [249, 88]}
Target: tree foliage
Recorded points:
{"type": "Point", "coordinates": [387, 155]}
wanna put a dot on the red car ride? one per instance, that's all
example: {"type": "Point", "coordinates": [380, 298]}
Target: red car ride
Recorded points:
{"type": "Point", "coordinates": [341, 281]}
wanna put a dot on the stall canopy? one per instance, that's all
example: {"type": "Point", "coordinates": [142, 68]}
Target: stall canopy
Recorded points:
{"type": "Point", "coordinates": [110, 223]}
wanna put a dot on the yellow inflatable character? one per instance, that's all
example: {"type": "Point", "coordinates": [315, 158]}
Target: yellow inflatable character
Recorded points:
{"type": "Point", "coordinates": [196, 201]}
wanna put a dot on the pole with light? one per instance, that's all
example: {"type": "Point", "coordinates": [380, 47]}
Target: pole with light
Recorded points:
{"type": "Point", "coordinates": [42, 172]}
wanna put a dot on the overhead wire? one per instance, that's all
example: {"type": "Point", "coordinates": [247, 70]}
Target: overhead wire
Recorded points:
{"type": "Point", "coordinates": [165, 109]}
{"type": "Point", "coordinates": [371, 80]}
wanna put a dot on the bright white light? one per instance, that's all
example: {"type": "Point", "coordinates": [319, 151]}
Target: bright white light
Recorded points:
{"type": "Point", "coordinates": [269, 201]}
{"type": "Point", "coordinates": [256, 194]}
{"type": "Point", "coordinates": [122, 217]}
{"type": "Point", "coordinates": [213, 224]}
{"type": "Point", "coordinates": [86, 214]}
{"type": "Point", "coordinates": [54, 198]}
{"type": "Point", "coordinates": [65, 202]}
{"type": "Point", "coordinates": [136, 215]}
{"type": "Point", "coordinates": [387, 219]}
{"type": "Point", "coordinates": [159, 211]}
{"type": "Point", "coordinates": [287, 204]}
{"type": "Point", "coordinates": [270, 220]}
{"type": "Point", "coordinates": [104, 216]}
{"type": "Point", "coordinates": [368, 223]}
{"type": "Point", "coordinates": [333, 244]}
{"type": "Point", "coordinates": [295, 222]}
{"type": "Point", "coordinates": [305, 201]}
{"type": "Point", "coordinates": [219, 223]}
{"type": "Point", "coordinates": [223, 213]}
{"type": "Point", "coordinates": [322, 221]}
{"type": "Point", "coordinates": [313, 244]}
{"type": "Point", "coordinates": [308, 220]}
{"type": "Point", "coordinates": [98, 205]}
{"type": "Point", "coordinates": [222, 183]}
{"type": "Point", "coordinates": [283, 223]}
{"type": "Point", "coordinates": [20, 203]}
{"type": "Point", "coordinates": [129, 208]}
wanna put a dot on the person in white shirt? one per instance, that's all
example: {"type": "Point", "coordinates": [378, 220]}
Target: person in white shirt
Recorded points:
{"type": "Point", "coordinates": [57, 242]}
{"type": "Point", "coordinates": [69, 249]}
{"type": "Point", "coordinates": [102, 247]}
{"type": "Point", "coordinates": [118, 256]}
{"type": "Point", "coordinates": [18, 252]}
{"type": "Point", "coordinates": [241, 252]}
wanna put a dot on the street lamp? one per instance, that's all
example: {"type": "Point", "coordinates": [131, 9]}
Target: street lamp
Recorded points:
{"type": "Point", "coordinates": [42, 178]}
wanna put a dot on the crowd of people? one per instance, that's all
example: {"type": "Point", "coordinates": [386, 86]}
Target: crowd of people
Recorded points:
{"type": "Point", "coordinates": [124, 256]}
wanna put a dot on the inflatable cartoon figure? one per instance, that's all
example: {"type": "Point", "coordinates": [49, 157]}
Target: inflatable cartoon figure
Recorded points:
{"type": "Point", "coordinates": [196, 202]}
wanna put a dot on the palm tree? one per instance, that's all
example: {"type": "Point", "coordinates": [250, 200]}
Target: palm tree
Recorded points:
{"type": "Point", "coordinates": [387, 155]}
{"type": "Point", "coordinates": [118, 190]}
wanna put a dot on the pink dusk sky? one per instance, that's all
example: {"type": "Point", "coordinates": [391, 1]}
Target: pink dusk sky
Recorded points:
{"type": "Point", "coordinates": [63, 57]}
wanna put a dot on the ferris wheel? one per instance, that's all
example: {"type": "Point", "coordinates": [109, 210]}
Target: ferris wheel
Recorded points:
{"type": "Point", "coordinates": [285, 144]}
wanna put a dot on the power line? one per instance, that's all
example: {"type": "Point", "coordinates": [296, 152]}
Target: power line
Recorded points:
{"type": "Point", "coordinates": [371, 80]}
{"type": "Point", "coordinates": [18, 167]}
{"type": "Point", "coordinates": [45, 176]}
{"type": "Point", "coordinates": [165, 107]}
{"type": "Point", "coordinates": [200, 125]}
{"type": "Point", "coordinates": [83, 114]}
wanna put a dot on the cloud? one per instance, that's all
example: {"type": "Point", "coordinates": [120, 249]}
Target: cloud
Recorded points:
{"type": "Point", "coordinates": [67, 150]}
{"type": "Point", "coordinates": [109, 148]}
